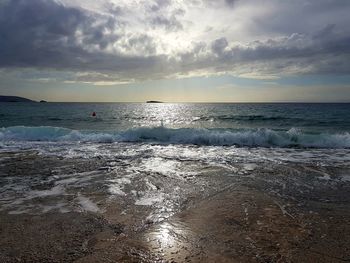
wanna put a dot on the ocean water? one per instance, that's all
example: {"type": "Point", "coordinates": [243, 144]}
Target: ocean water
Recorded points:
{"type": "Point", "coordinates": [157, 155]}
{"type": "Point", "coordinates": [241, 125]}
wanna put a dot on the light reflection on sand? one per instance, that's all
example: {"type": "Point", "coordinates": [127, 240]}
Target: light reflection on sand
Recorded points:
{"type": "Point", "coordinates": [158, 176]}
{"type": "Point", "coordinates": [168, 238]}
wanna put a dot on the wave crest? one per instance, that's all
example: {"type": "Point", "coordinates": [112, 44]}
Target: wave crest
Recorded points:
{"type": "Point", "coordinates": [216, 137]}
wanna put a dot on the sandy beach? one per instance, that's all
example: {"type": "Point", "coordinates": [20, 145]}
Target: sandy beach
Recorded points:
{"type": "Point", "coordinates": [302, 215]}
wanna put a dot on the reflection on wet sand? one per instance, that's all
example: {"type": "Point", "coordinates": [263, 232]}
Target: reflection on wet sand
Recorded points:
{"type": "Point", "coordinates": [234, 226]}
{"type": "Point", "coordinates": [168, 238]}
{"type": "Point", "coordinates": [173, 209]}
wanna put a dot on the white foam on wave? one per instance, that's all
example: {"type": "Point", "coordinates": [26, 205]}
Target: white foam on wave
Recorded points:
{"type": "Point", "coordinates": [161, 166]}
{"type": "Point", "coordinates": [21, 195]}
{"type": "Point", "coordinates": [150, 199]}
{"type": "Point", "coordinates": [87, 205]}
{"type": "Point", "coordinates": [216, 137]}
{"type": "Point", "coordinates": [345, 178]}
{"type": "Point", "coordinates": [116, 185]}
{"type": "Point", "coordinates": [54, 191]}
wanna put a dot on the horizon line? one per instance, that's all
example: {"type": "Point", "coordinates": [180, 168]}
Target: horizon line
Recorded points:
{"type": "Point", "coordinates": [197, 102]}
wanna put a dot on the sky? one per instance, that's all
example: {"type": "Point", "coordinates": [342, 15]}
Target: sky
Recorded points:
{"type": "Point", "coordinates": [176, 50]}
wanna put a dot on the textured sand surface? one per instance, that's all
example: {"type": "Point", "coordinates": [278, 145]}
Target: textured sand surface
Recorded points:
{"type": "Point", "coordinates": [269, 213]}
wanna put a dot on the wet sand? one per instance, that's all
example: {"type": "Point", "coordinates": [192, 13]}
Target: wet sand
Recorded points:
{"type": "Point", "coordinates": [263, 213]}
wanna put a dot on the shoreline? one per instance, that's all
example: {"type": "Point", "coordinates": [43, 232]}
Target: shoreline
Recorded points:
{"type": "Point", "coordinates": [214, 215]}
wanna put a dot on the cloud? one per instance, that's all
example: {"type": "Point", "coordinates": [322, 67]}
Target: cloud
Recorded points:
{"type": "Point", "coordinates": [219, 45]}
{"type": "Point", "coordinates": [159, 5]}
{"type": "Point", "coordinates": [170, 24]}
{"type": "Point", "coordinates": [219, 3]}
{"type": "Point", "coordinates": [101, 42]}
{"type": "Point", "coordinates": [40, 33]}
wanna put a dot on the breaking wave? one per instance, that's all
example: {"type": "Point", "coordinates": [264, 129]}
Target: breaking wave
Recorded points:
{"type": "Point", "coordinates": [216, 137]}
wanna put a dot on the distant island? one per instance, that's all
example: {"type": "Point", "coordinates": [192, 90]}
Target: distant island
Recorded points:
{"type": "Point", "coordinates": [154, 101]}
{"type": "Point", "coordinates": [14, 99]}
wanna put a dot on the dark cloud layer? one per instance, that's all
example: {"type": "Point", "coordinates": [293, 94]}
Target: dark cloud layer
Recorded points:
{"type": "Point", "coordinates": [170, 23]}
{"type": "Point", "coordinates": [46, 34]}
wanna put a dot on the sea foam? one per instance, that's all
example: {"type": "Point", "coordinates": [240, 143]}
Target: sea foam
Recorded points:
{"type": "Point", "coordinates": [215, 137]}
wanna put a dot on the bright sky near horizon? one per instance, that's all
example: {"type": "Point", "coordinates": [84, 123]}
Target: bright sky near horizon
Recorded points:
{"type": "Point", "coordinates": [176, 50]}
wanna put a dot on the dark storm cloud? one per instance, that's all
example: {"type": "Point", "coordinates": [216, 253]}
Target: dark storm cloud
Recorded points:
{"type": "Point", "coordinates": [45, 34]}
{"type": "Point", "coordinates": [219, 45]}
{"type": "Point", "coordinates": [27, 26]}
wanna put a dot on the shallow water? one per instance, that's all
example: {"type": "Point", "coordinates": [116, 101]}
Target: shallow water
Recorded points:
{"type": "Point", "coordinates": [179, 202]}
{"type": "Point", "coordinates": [208, 182]}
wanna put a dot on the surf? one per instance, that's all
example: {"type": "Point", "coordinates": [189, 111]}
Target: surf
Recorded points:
{"type": "Point", "coordinates": [261, 137]}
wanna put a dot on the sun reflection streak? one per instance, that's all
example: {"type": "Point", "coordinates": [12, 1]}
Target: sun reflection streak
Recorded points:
{"type": "Point", "coordinates": [168, 236]}
{"type": "Point", "coordinates": [165, 114]}
{"type": "Point", "coordinates": [172, 240]}
{"type": "Point", "coordinates": [165, 236]}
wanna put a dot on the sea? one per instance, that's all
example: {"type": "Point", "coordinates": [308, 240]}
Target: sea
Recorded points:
{"type": "Point", "coordinates": [279, 125]}
{"type": "Point", "coordinates": [128, 149]}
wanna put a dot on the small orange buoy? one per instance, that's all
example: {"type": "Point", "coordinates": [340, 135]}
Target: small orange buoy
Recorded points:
{"type": "Point", "coordinates": [93, 114]}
